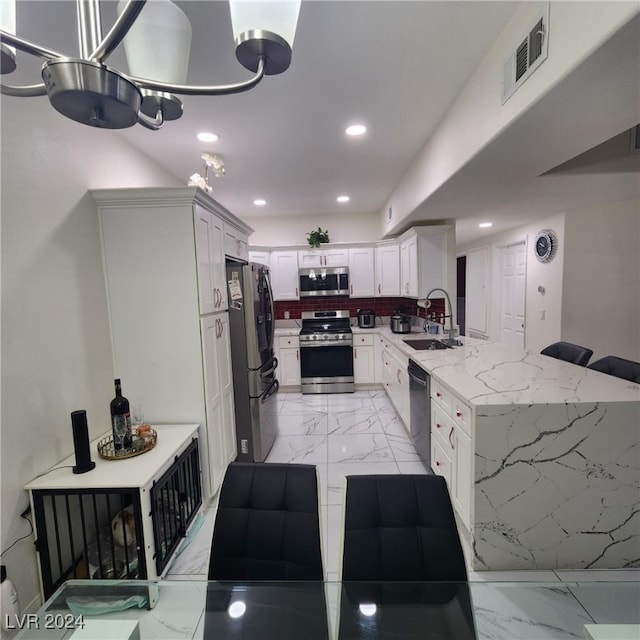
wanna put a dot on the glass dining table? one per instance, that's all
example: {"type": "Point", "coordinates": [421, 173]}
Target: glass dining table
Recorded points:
{"type": "Point", "coordinates": [168, 609]}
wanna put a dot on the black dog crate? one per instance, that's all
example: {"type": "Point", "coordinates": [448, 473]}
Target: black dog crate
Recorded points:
{"type": "Point", "coordinates": [116, 532]}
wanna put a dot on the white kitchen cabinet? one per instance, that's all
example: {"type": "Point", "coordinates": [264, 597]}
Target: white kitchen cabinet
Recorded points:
{"type": "Point", "coordinates": [451, 420]}
{"type": "Point", "coordinates": [288, 354]}
{"type": "Point", "coordinates": [211, 271]}
{"type": "Point", "coordinates": [361, 272]}
{"type": "Point", "coordinates": [236, 242]}
{"type": "Point", "coordinates": [395, 380]}
{"type": "Point", "coordinates": [284, 275]}
{"type": "Point", "coordinates": [477, 290]}
{"type": "Point", "coordinates": [427, 260]}
{"type": "Point", "coordinates": [387, 269]}
{"type": "Point", "coordinates": [261, 257]}
{"type": "Point", "coordinates": [172, 359]}
{"type": "Point", "coordinates": [324, 257]}
{"type": "Point", "coordinates": [363, 358]}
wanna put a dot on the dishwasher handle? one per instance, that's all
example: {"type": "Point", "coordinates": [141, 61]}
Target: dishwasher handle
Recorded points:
{"type": "Point", "coordinates": [421, 381]}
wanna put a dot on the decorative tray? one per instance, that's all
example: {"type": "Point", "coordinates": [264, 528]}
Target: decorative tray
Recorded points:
{"type": "Point", "coordinates": [143, 440]}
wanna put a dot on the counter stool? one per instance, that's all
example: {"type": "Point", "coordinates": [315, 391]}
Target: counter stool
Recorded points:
{"type": "Point", "coordinates": [619, 367]}
{"type": "Point", "coordinates": [568, 352]}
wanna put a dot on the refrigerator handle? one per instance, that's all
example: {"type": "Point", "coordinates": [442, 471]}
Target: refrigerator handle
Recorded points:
{"type": "Point", "coordinates": [267, 279]}
{"type": "Point", "coordinates": [264, 374]}
{"type": "Point", "coordinates": [271, 391]}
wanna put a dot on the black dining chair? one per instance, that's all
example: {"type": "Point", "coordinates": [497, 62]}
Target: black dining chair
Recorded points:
{"type": "Point", "coordinates": [267, 525]}
{"type": "Point", "coordinates": [266, 557]}
{"type": "Point", "coordinates": [568, 352]}
{"type": "Point", "coordinates": [403, 569]}
{"type": "Point", "coordinates": [618, 367]}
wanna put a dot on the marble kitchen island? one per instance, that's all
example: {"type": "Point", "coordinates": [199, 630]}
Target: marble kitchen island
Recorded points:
{"type": "Point", "coordinates": [554, 457]}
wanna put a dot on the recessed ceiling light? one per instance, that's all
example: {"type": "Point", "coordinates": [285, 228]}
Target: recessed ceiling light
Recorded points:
{"type": "Point", "coordinates": [356, 130]}
{"type": "Point", "coordinates": [206, 136]}
{"type": "Point", "coordinates": [343, 198]}
{"type": "Point", "coordinates": [259, 202]}
{"type": "Point", "coordinates": [485, 225]}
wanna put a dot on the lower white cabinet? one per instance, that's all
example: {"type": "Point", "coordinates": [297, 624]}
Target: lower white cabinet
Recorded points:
{"type": "Point", "coordinates": [363, 358]}
{"type": "Point", "coordinates": [451, 447]}
{"type": "Point", "coordinates": [395, 379]}
{"type": "Point", "coordinates": [288, 354]}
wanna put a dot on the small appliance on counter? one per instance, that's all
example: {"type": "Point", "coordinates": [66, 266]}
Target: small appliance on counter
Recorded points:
{"type": "Point", "coordinates": [400, 323]}
{"type": "Point", "coordinates": [366, 318]}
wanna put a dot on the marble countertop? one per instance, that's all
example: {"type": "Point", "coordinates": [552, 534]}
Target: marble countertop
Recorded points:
{"type": "Point", "coordinates": [490, 373]}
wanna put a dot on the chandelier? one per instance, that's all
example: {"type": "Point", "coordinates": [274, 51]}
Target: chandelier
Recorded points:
{"type": "Point", "coordinates": [156, 36]}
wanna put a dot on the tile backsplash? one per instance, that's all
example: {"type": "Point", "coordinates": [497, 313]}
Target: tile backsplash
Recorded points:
{"type": "Point", "coordinates": [381, 306]}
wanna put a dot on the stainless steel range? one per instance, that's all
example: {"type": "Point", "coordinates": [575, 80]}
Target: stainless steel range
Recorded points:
{"type": "Point", "coordinates": [326, 352]}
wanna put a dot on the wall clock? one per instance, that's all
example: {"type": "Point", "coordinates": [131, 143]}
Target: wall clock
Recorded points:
{"type": "Point", "coordinates": [545, 245]}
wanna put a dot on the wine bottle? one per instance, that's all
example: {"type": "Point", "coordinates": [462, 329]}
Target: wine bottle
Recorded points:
{"type": "Point", "coordinates": [120, 420]}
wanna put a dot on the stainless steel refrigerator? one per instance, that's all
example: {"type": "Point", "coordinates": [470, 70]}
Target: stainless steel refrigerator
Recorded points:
{"type": "Point", "coordinates": [255, 386]}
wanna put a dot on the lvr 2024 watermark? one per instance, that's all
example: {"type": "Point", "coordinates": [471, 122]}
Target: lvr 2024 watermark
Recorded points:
{"type": "Point", "coordinates": [44, 621]}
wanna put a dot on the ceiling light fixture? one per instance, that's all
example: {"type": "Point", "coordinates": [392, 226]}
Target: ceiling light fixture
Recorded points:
{"type": "Point", "coordinates": [205, 136]}
{"type": "Point", "coordinates": [343, 198]}
{"type": "Point", "coordinates": [485, 225]}
{"type": "Point", "coordinates": [259, 202]}
{"type": "Point", "coordinates": [157, 40]}
{"type": "Point", "coordinates": [356, 130]}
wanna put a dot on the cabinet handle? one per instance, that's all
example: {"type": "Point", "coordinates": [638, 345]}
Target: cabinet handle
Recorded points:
{"type": "Point", "coordinates": [458, 414]}
{"type": "Point", "coordinates": [378, 288]}
{"type": "Point", "coordinates": [438, 394]}
{"type": "Point", "coordinates": [351, 289]}
{"type": "Point", "coordinates": [297, 292]}
{"type": "Point", "coordinates": [355, 354]}
{"type": "Point", "coordinates": [450, 442]}
{"type": "Point", "coordinates": [438, 425]}
{"type": "Point", "coordinates": [297, 355]}
{"type": "Point", "coordinates": [398, 375]}
{"type": "Point", "coordinates": [437, 464]}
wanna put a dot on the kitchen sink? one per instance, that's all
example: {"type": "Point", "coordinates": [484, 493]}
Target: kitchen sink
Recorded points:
{"type": "Point", "coordinates": [426, 344]}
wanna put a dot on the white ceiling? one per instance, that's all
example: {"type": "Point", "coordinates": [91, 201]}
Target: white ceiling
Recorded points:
{"type": "Point", "coordinates": [396, 66]}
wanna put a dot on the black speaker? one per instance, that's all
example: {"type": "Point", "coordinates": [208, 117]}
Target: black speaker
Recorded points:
{"type": "Point", "coordinates": [81, 442]}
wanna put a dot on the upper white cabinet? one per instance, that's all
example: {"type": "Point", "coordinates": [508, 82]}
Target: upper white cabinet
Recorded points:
{"type": "Point", "coordinates": [387, 270]}
{"type": "Point", "coordinates": [477, 290]}
{"type": "Point", "coordinates": [284, 275]}
{"type": "Point", "coordinates": [212, 278]}
{"type": "Point", "coordinates": [261, 257]}
{"type": "Point", "coordinates": [236, 242]}
{"type": "Point", "coordinates": [323, 258]}
{"type": "Point", "coordinates": [427, 260]}
{"type": "Point", "coordinates": [361, 272]}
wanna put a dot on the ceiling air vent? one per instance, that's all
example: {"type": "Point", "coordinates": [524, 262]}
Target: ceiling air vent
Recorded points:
{"type": "Point", "coordinates": [528, 56]}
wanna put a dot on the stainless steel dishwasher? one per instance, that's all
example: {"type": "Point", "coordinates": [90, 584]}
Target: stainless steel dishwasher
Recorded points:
{"type": "Point", "coordinates": [420, 412]}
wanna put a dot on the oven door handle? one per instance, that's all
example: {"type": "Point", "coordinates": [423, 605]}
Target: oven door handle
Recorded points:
{"type": "Point", "coordinates": [327, 343]}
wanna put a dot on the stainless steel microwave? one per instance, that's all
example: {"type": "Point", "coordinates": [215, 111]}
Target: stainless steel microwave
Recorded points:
{"type": "Point", "coordinates": [323, 281]}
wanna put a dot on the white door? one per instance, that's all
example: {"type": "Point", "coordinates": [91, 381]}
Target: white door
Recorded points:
{"type": "Point", "coordinates": [388, 270]}
{"type": "Point", "coordinates": [203, 223]}
{"type": "Point", "coordinates": [223, 350]}
{"type": "Point", "coordinates": [284, 275]}
{"type": "Point", "coordinates": [477, 290]}
{"type": "Point", "coordinates": [336, 258]}
{"type": "Point", "coordinates": [514, 271]}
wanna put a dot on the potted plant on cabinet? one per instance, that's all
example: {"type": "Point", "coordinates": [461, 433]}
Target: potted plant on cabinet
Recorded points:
{"type": "Point", "coordinates": [316, 237]}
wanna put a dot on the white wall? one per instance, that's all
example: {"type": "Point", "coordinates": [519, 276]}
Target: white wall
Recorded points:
{"type": "Point", "coordinates": [601, 280]}
{"type": "Point", "coordinates": [477, 116]}
{"type": "Point", "coordinates": [273, 231]}
{"type": "Point", "coordinates": [538, 333]}
{"type": "Point", "coordinates": [592, 286]}
{"type": "Point", "coordinates": [56, 348]}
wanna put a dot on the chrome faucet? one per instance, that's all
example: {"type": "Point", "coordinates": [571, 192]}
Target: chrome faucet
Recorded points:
{"type": "Point", "coordinates": [451, 331]}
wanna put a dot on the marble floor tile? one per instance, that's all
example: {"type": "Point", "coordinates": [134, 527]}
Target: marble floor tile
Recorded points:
{"type": "Point", "coordinates": [411, 467]}
{"type": "Point", "coordinates": [392, 424]}
{"type": "Point", "coordinates": [323, 481]}
{"type": "Point", "coordinates": [333, 540]}
{"type": "Point", "coordinates": [299, 449]}
{"type": "Point", "coordinates": [403, 449]}
{"type": "Point", "coordinates": [349, 422]}
{"type": "Point", "coordinates": [338, 471]}
{"type": "Point", "coordinates": [363, 447]}
{"type": "Point", "coordinates": [358, 402]}
{"type": "Point", "coordinates": [297, 403]}
{"type": "Point", "coordinates": [301, 424]}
